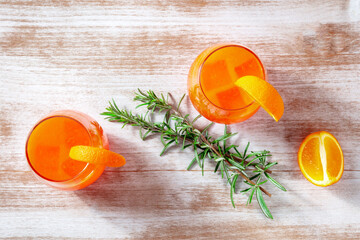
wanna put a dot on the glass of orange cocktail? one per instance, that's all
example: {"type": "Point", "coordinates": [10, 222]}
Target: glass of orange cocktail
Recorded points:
{"type": "Point", "coordinates": [211, 83]}
{"type": "Point", "coordinates": [49, 143]}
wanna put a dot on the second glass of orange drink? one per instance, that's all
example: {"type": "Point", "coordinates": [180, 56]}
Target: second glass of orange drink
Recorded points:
{"type": "Point", "coordinates": [211, 83]}
{"type": "Point", "coordinates": [49, 143]}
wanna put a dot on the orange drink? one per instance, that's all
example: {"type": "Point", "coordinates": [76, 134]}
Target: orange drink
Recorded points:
{"type": "Point", "coordinates": [49, 143]}
{"type": "Point", "coordinates": [211, 83]}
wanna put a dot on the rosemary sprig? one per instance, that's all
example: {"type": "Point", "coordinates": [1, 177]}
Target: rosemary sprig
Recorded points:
{"type": "Point", "coordinates": [180, 130]}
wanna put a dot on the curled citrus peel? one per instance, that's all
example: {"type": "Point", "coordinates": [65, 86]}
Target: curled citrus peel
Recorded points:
{"type": "Point", "coordinates": [264, 94]}
{"type": "Point", "coordinates": [98, 156]}
{"type": "Point", "coordinates": [321, 159]}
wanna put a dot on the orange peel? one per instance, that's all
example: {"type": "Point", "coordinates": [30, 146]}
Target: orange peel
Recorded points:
{"type": "Point", "coordinates": [98, 156]}
{"type": "Point", "coordinates": [264, 94]}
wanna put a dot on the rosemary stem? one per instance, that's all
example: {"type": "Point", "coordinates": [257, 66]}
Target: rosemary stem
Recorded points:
{"type": "Point", "coordinates": [246, 162]}
{"type": "Point", "coordinates": [241, 174]}
{"type": "Point", "coordinates": [217, 153]}
{"type": "Point", "coordinates": [203, 138]}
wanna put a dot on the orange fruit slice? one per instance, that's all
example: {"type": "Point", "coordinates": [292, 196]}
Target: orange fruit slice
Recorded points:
{"type": "Point", "coordinates": [321, 159]}
{"type": "Point", "coordinates": [264, 94]}
{"type": "Point", "coordinates": [98, 156]}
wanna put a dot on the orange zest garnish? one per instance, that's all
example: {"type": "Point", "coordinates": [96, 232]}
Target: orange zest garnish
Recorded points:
{"type": "Point", "coordinates": [264, 94]}
{"type": "Point", "coordinates": [321, 159]}
{"type": "Point", "coordinates": [98, 156]}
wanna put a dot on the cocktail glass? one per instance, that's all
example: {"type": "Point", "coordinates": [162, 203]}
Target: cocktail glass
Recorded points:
{"type": "Point", "coordinates": [211, 83]}
{"type": "Point", "coordinates": [49, 143]}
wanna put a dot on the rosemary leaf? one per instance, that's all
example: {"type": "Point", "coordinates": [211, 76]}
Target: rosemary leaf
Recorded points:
{"type": "Point", "coordinates": [166, 147]}
{"type": "Point", "coordinates": [262, 204]}
{"type": "Point", "coordinates": [276, 183]}
{"type": "Point", "coordinates": [191, 163]}
{"type": "Point", "coordinates": [251, 196]}
{"type": "Point", "coordinates": [232, 189]}
{"type": "Point", "coordinates": [217, 166]}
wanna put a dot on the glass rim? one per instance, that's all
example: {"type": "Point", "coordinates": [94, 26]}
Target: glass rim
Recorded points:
{"type": "Point", "coordinates": [218, 47]}
{"type": "Point", "coordinates": [27, 141]}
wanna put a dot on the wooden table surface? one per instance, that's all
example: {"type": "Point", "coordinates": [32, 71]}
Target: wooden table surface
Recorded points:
{"type": "Point", "coordinates": [62, 54]}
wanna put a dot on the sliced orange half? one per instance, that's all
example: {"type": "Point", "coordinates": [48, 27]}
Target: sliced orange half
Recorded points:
{"type": "Point", "coordinates": [321, 159]}
{"type": "Point", "coordinates": [264, 94]}
{"type": "Point", "coordinates": [98, 156]}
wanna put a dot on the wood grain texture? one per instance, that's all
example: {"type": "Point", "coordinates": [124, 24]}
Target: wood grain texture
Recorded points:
{"type": "Point", "coordinates": [80, 54]}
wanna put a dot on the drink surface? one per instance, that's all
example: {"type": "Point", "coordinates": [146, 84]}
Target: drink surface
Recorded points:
{"type": "Point", "coordinates": [221, 70]}
{"type": "Point", "coordinates": [211, 83]}
{"type": "Point", "coordinates": [49, 145]}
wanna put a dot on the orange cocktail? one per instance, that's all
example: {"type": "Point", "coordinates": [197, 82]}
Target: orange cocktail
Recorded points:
{"type": "Point", "coordinates": [211, 83]}
{"type": "Point", "coordinates": [49, 143]}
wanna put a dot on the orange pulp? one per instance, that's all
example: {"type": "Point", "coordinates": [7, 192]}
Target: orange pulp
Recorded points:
{"type": "Point", "coordinates": [211, 83]}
